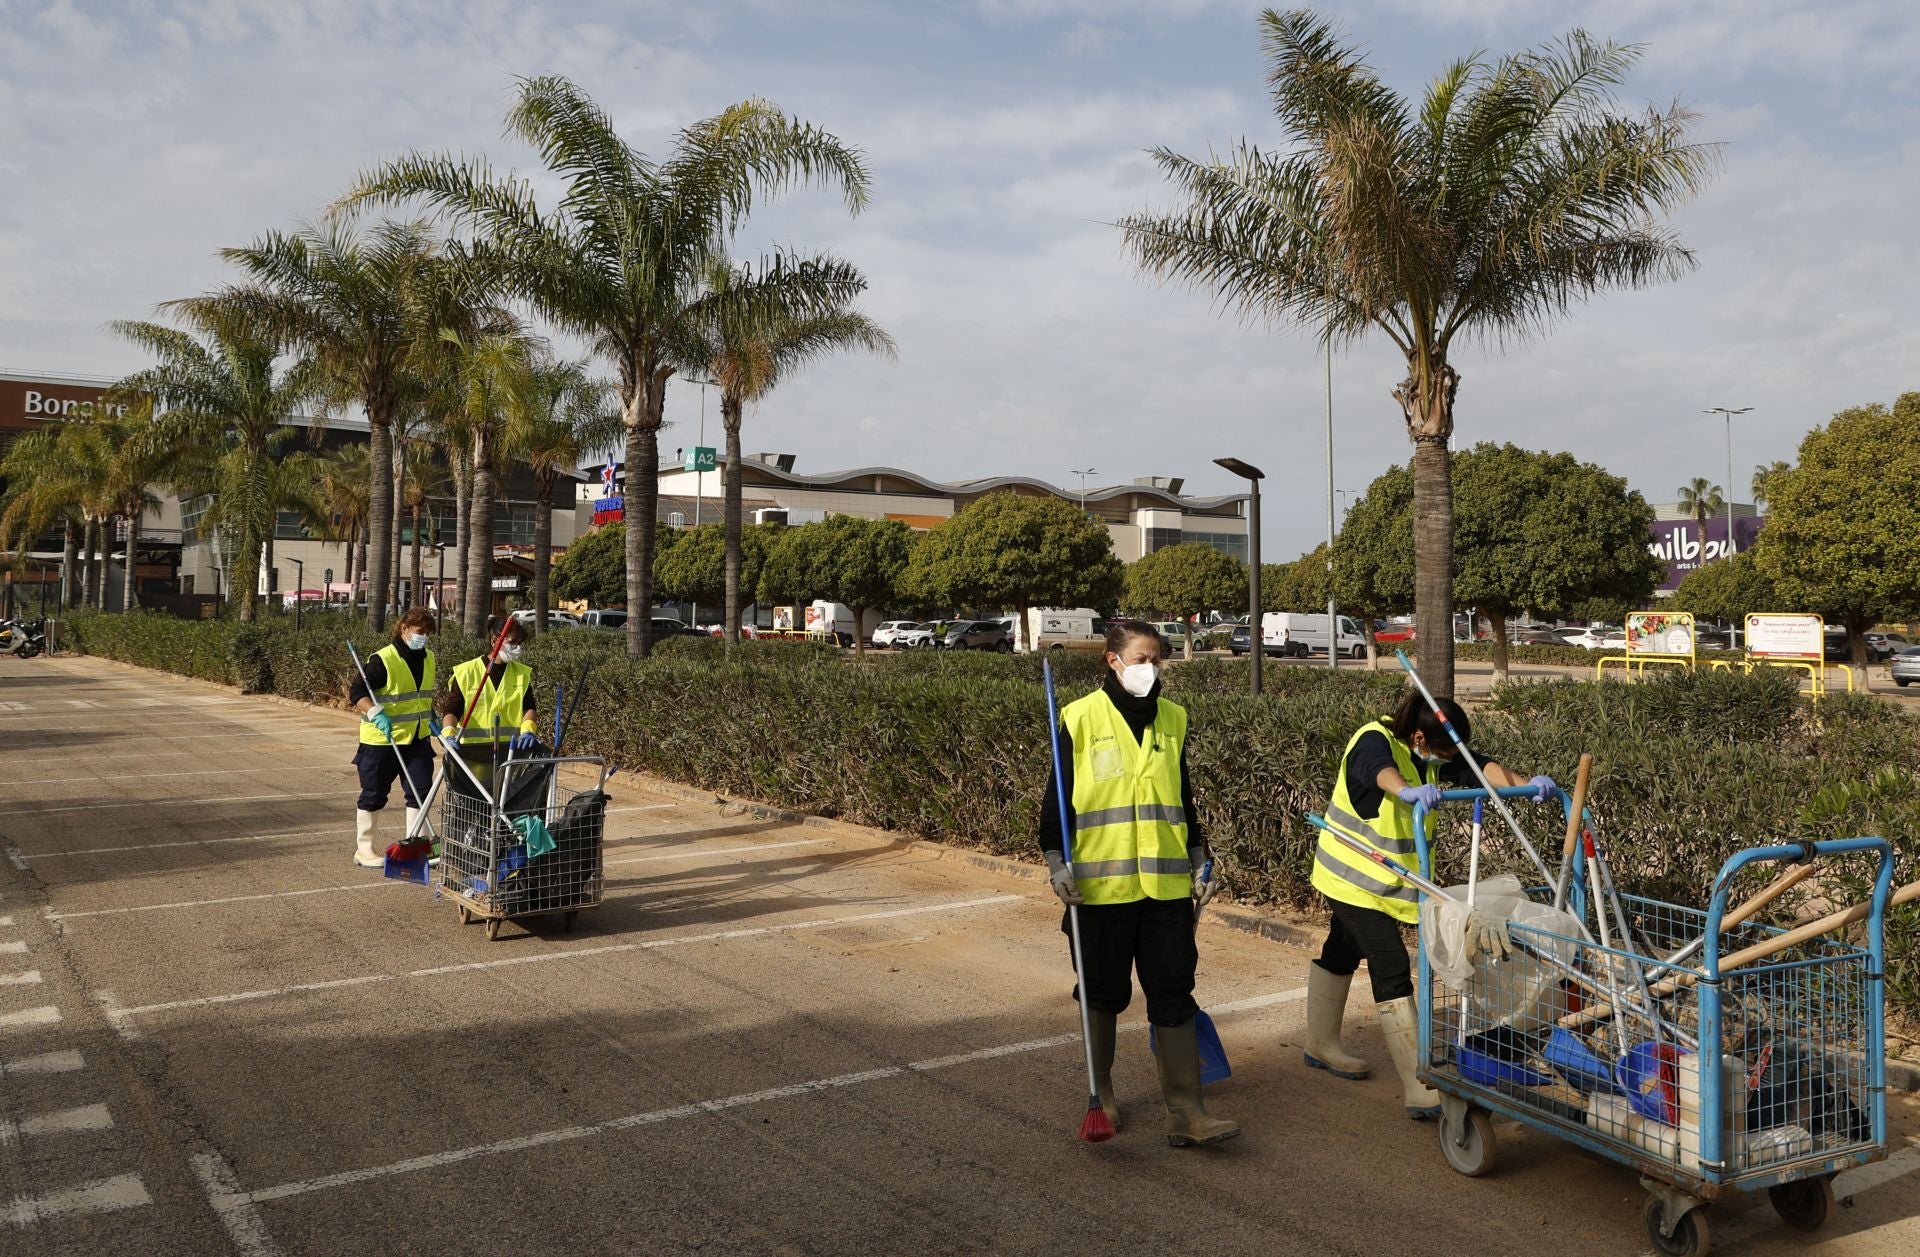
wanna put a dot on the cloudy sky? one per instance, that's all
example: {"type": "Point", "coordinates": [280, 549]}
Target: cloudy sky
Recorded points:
{"type": "Point", "coordinates": [1003, 135]}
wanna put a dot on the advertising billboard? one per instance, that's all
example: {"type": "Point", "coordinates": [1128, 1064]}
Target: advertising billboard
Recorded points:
{"type": "Point", "coordinates": [1781, 636]}
{"type": "Point", "coordinates": [1660, 633]}
{"type": "Point", "coordinates": [1680, 545]}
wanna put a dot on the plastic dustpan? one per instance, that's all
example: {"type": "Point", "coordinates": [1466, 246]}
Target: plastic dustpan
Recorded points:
{"type": "Point", "coordinates": [1496, 1057]}
{"type": "Point", "coordinates": [1213, 1055]}
{"type": "Point", "coordinates": [1584, 1071]}
{"type": "Point", "coordinates": [1649, 1075]}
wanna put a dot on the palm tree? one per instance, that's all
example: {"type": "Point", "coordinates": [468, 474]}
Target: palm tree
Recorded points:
{"type": "Point", "coordinates": [493, 370]}
{"type": "Point", "coordinates": [343, 484]}
{"type": "Point", "coordinates": [618, 261]}
{"type": "Point", "coordinates": [565, 417]}
{"type": "Point", "coordinates": [1512, 190]}
{"type": "Point", "coordinates": [1702, 502]}
{"type": "Point", "coordinates": [1765, 477]}
{"type": "Point", "coordinates": [220, 392]}
{"type": "Point", "coordinates": [424, 481]}
{"type": "Point", "coordinates": [345, 298]}
{"type": "Point", "coordinates": [43, 491]}
{"type": "Point", "coordinates": [750, 344]}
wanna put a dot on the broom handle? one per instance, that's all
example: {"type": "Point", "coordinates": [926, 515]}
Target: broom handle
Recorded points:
{"type": "Point", "coordinates": [1066, 855]}
{"type": "Point", "coordinates": [1759, 951]}
{"type": "Point", "coordinates": [1572, 842]}
{"type": "Point", "coordinates": [473, 700]}
{"type": "Point", "coordinates": [1761, 898]}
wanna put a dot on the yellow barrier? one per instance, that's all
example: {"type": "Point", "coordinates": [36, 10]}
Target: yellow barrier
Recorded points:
{"type": "Point", "coordinates": [1816, 670]}
{"type": "Point", "coordinates": [1630, 662]}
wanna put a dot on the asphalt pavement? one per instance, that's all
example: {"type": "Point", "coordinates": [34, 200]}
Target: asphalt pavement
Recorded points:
{"type": "Point", "coordinates": [217, 1035]}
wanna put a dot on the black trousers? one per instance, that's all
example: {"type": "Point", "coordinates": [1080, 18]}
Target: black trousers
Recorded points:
{"type": "Point", "coordinates": [1153, 937]}
{"type": "Point", "coordinates": [378, 768]}
{"type": "Point", "coordinates": [1371, 935]}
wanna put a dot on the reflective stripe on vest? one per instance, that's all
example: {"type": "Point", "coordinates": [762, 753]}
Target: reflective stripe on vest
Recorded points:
{"type": "Point", "coordinates": [1346, 875]}
{"type": "Point", "coordinates": [405, 698]}
{"type": "Point", "coordinates": [1129, 828]}
{"type": "Point", "coordinates": [496, 717]}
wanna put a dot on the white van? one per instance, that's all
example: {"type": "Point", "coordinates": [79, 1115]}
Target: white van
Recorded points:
{"type": "Point", "coordinates": [1078, 629]}
{"type": "Point", "coordinates": [834, 620]}
{"type": "Point", "coordinates": [1301, 633]}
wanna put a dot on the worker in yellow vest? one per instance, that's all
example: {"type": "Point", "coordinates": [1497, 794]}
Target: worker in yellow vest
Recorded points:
{"type": "Point", "coordinates": [1137, 854]}
{"type": "Point", "coordinates": [503, 719]}
{"type": "Point", "coordinates": [395, 702]}
{"type": "Point", "coordinates": [1390, 765]}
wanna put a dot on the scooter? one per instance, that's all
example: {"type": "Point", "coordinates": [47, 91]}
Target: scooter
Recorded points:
{"type": "Point", "coordinates": [23, 638]}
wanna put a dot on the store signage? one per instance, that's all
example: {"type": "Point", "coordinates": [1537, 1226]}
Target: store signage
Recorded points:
{"type": "Point", "coordinates": [1660, 633]}
{"type": "Point", "coordinates": [1682, 546]}
{"type": "Point", "coordinates": [39, 405]}
{"type": "Point", "coordinates": [508, 583]}
{"type": "Point", "coordinates": [700, 458]}
{"type": "Point", "coordinates": [610, 507]}
{"type": "Point", "coordinates": [1773, 635]}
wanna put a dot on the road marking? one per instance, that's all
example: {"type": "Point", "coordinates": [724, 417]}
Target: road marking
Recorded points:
{"type": "Point", "coordinates": [231, 798]}
{"type": "Point", "coordinates": [45, 1063]}
{"type": "Point", "coordinates": [30, 978]}
{"type": "Point", "coordinates": [6, 920]}
{"type": "Point", "coordinates": [565, 1134]}
{"type": "Point", "coordinates": [17, 947]}
{"type": "Point", "coordinates": [245, 1227]}
{"type": "Point", "coordinates": [119, 1016]}
{"type": "Point", "coordinates": [203, 772]}
{"type": "Point", "coordinates": [689, 855]}
{"type": "Point", "coordinates": [197, 842]}
{"type": "Point", "coordinates": [125, 1191]}
{"type": "Point", "coordinates": [46, 1015]}
{"type": "Point", "coordinates": [207, 903]}
{"type": "Point", "coordinates": [65, 1122]}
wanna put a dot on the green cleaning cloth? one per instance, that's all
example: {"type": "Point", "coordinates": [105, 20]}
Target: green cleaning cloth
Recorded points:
{"type": "Point", "coordinates": [533, 831]}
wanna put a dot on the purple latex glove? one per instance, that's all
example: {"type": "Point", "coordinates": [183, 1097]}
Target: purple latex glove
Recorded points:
{"type": "Point", "coordinates": [1544, 788]}
{"type": "Point", "coordinates": [1428, 794]}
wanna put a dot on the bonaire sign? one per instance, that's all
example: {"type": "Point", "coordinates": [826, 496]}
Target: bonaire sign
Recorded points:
{"type": "Point", "coordinates": [27, 404]}
{"type": "Point", "coordinates": [1680, 544]}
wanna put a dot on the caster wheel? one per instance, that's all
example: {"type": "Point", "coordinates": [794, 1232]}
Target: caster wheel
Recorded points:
{"type": "Point", "coordinates": [566, 922]}
{"type": "Point", "coordinates": [493, 928]}
{"type": "Point", "coordinates": [1804, 1205]}
{"type": "Point", "coordinates": [1689, 1239]}
{"type": "Point", "coordinates": [1470, 1147]}
{"type": "Point", "coordinates": [466, 915]}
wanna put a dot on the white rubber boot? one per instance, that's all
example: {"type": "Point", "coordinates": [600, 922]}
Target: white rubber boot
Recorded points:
{"type": "Point", "coordinates": [363, 853]}
{"type": "Point", "coordinates": [1326, 1010]}
{"type": "Point", "coordinates": [1402, 1025]}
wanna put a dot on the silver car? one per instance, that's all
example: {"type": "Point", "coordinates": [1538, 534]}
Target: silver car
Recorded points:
{"type": "Point", "coordinates": [1906, 667]}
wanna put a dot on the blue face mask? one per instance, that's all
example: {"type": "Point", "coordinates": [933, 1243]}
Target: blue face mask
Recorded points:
{"type": "Point", "coordinates": [416, 641]}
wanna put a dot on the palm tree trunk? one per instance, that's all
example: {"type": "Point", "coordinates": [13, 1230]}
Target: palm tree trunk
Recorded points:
{"type": "Point", "coordinates": [416, 600]}
{"type": "Point", "coordinates": [542, 544]}
{"type": "Point", "coordinates": [69, 564]}
{"type": "Point", "coordinates": [379, 515]}
{"type": "Point", "coordinates": [90, 598]}
{"type": "Point", "coordinates": [730, 414]}
{"type": "Point", "coordinates": [399, 538]}
{"type": "Point", "coordinates": [129, 585]}
{"type": "Point", "coordinates": [1426, 399]}
{"type": "Point", "coordinates": [477, 593]}
{"type": "Point", "coordinates": [643, 506]}
{"type": "Point", "coordinates": [243, 577]}
{"type": "Point", "coordinates": [462, 504]}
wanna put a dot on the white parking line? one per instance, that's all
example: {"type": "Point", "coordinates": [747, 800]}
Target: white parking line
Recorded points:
{"type": "Point", "coordinates": [124, 1191]}
{"type": "Point", "coordinates": [120, 1016]}
{"type": "Point", "coordinates": [197, 842]}
{"type": "Point", "coordinates": [46, 1015]}
{"type": "Point", "coordinates": [45, 1063]}
{"type": "Point", "coordinates": [208, 903]}
{"type": "Point", "coordinates": [232, 798]}
{"type": "Point", "coordinates": [30, 978]}
{"type": "Point", "coordinates": [236, 1201]}
{"type": "Point", "coordinates": [6, 920]}
{"type": "Point", "coordinates": [245, 1227]}
{"type": "Point", "coordinates": [696, 853]}
{"type": "Point", "coordinates": [17, 947]}
{"type": "Point", "coordinates": [204, 772]}
{"type": "Point", "coordinates": [65, 1122]}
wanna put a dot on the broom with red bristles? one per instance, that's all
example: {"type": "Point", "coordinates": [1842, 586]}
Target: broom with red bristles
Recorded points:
{"type": "Point", "coordinates": [1096, 1127]}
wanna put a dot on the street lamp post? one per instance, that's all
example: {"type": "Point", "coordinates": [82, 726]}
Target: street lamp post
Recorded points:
{"type": "Point", "coordinates": [1083, 473]}
{"type": "Point", "coordinates": [1729, 412]}
{"type": "Point", "coordinates": [1256, 646]}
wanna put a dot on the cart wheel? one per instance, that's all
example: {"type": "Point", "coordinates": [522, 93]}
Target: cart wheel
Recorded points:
{"type": "Point", "coordinates": [1804, 1204]}
{"type": "Point", "coordinates": [466, 915]}
{"type": "Point", "coordinates": [493, 928]}
{"type": "Point", "coordinates": [1690, 1237]}
{"type": "Point", "coordinates": [566, 922]}
{"type": "Point", "coordinates": [1470, 1147]}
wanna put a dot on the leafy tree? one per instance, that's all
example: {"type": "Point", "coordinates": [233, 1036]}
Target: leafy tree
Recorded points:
{"type": "Point", "coordinates": [1763, 479]}
{"type": "Point", "coordinates": [1726, 591]}
{"type": "Point", "coordinates": [1843, 535]}
{"type": "Point", "coordinates": [1539, 530]}
{"type": "Point", "coordinates": [620, 261]}
{"type": "Point", "coordinates": [1297, 586]}
{"type": "Point", "coordinates": [1185, 581]}
{"type": "Point", "coordinates": [1702, 501]}
{"type": "Point", "coordinates": [695, 570]}
{"type": "Point", "coordinates": [1373, 558]}
{"type": "Point", "coordinates": [1597, 611]}
{"type": "Point", "coordinates": [750, 342]}
{"type": "Point", "coordinates": [564, 417]}
{"type": "Point", "coordinates": [44, 489]}
{"type": "Point", "coordinates": [1008, 550]}
{"type": "Point", "coordinates": [594, 567]}
{"type": "Point", "coordinates": [343, 485]}
{"type": "Point", "coordinates": [1513, 190]}
{"type": "Point", "coordinates": [865, 559]}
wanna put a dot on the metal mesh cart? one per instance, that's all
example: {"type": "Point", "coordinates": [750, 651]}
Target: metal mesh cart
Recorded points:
{"type": "Point", "coordinates": [1708, 1081]}
{"type": "Point", "coordinates": [494, 862]}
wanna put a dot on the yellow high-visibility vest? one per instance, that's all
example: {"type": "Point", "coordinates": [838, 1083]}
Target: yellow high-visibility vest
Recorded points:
{"type": "Point", "coordinates": [496, 717]}
{"type": "Point", "coordinates": [405, 698]}
{"type": "Point", "coordinates": [1129, 825]}
{"type": "Point", "coordinates": [1344, 874]}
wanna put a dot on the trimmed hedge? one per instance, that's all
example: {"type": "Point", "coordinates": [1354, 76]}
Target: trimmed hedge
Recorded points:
{"type": "Point", "coordinates": [1690, 765]}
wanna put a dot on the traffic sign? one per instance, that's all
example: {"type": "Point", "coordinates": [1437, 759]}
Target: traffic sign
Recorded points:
{"type": "Point", "coordinates": [699, 458]}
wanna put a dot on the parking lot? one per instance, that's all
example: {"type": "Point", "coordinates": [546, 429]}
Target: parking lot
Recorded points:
{"type": "Point", "coordinates": [217, 1035]}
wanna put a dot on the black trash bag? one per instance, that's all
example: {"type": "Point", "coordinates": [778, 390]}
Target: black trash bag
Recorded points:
{"type": "Point", "coordinates": [569, 875]}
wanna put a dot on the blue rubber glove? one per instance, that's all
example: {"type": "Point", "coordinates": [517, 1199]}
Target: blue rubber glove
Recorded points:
{"type": "Point", "coordinates": [381, 721]}
{"type": "Point", "coordinates": [433, 723]}
{"type": "Point", "coordinates": [1428, 794]}
{"type": "Point", "coordinates": [1544, 788]}
{"type": "Point", "coordinates": [524, 742]}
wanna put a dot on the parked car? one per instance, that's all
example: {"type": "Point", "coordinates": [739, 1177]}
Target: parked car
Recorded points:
{"type": "Point", "coordinates": [1239, 639]}
{"type": "Point", "coordinates": [1075, 629]}
{"type": "Point", "coordinates": [555, 619]}
{"type": "Point", "coordinates": [1597, 637]}
{"type": "Point", "coordinates": [978, 635]}
{"type": "Point", "coordinates": [1535, 635]}
{"type": "Point", "coordinates": [1173, 633]}
{"type": "Point", "coordinates": [1885, 646]}
{"type": "Point", "coordinates": [604, 619]}
{"type": "Point", "coordinates": [1906, 667]}
{"type": "Point", "coordinates": [666, 626]}
{"type": "Point", "coordinates": [1301, 633]}
{"type": "Point", "coordinates": [920, 636]}
{"type": "Point", "coordinates": [1837, 650]}
{"type": "Point", "coordinates": [1392, 632]}
{"type": "Point", "coordinates": [884, 636]}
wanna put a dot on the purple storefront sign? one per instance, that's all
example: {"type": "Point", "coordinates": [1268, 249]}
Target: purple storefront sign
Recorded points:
{"type": "Point", "coordinates": [1678, 544]}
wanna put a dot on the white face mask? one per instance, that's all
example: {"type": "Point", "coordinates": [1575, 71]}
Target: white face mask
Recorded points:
{"type": "Point", "coordinates": [1137, 678]}
{"type": "Point", "coordinates": [416, 641]}
{"type": "Point", "coordinates": [510, 653]}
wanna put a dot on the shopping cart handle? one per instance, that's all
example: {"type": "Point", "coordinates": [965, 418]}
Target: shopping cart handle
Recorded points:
{"type": "Point", "coordinates": [1467, 796]}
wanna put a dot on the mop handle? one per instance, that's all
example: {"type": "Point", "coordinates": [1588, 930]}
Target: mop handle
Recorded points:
{"type": "Point", "coordinates": [1499, 804]}
{"type": "Point", "coordinates": [1066, 856]}
{"type": "Point", "coordinates": [361, 669]}
{"type": "Point", "coordinates": [1581, 778]}
{"type": "Point", "coordinates": [1394, 867]}
{"type": "Point", "coordinates": [1473, 855]}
